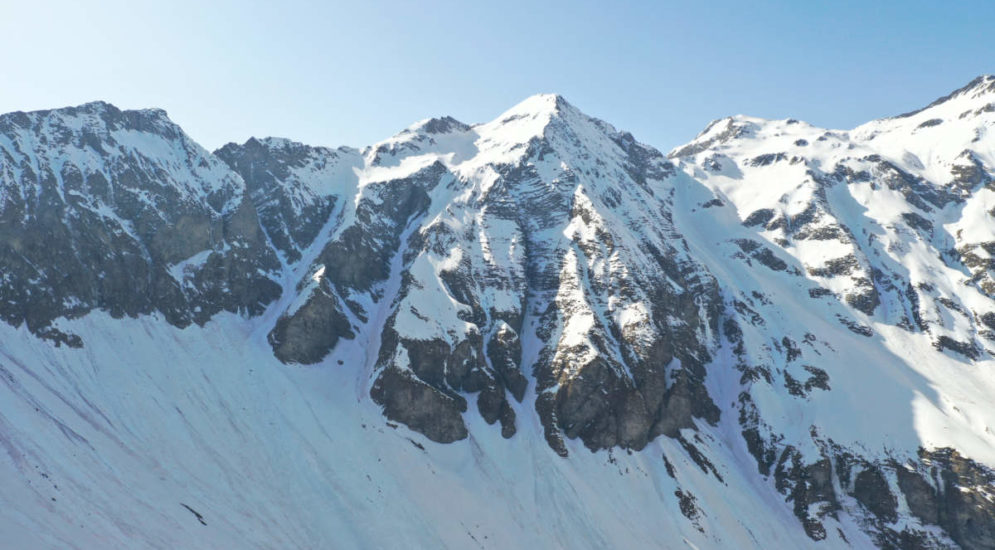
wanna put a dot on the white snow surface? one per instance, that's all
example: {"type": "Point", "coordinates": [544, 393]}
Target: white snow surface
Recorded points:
{"type": "Point", "coordinates": [104, 446]}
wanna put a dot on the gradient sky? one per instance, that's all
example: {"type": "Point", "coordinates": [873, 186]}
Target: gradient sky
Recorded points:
{"type": "Point", "coordinates": [352, 73]}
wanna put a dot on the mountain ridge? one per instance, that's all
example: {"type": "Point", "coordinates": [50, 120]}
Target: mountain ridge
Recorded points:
{"type": "Point", "coordinates": [567, 282]}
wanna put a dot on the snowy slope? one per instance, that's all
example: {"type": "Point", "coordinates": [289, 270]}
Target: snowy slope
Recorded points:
{"type": "Point", "coordinates": [776, 336]}
{"type": "Point", "coordinates": [883, 233]}
{"type": "Point", "coordinates": [278, 457]}
{"type": "Point", "coordinates": [879, 219]}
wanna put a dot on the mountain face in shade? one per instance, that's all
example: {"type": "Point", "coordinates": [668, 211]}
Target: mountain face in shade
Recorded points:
{"type": "Point", "coordinates": [775, 336]}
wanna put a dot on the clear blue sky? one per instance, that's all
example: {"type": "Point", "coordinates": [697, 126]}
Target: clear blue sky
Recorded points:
{"type": "Point", "coordinates": [352, 73]}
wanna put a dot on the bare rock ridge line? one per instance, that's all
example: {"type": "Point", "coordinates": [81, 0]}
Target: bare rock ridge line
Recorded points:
{"type": "Point", "coordinates": [760, 288]}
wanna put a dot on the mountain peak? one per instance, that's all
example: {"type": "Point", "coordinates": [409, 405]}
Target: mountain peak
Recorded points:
{"type": "Point", "coordinates": [538, 105]}
{"type": "Point", "coordinates": [981, 86]}
{"type": "Point", "coordinates": [94, 117]}
{"type": "Point", "coordinates": [438, 125]}
{"type": "Point", "coordinates": [534, 115]}
{"type": "Point", "coordinates": [941, 130]}
{"type": "Point", "coordinates": [105, 109]}
{"type": "Point", "coordinates": [530, 119]}
{"type": "Point", "coordinates": [719, 131]}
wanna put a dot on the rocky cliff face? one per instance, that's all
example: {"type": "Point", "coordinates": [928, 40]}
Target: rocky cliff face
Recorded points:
{"type": "Point", "coordinates": [763, 290]}
{"type": "Point", "coordinates": [120, 211]}
{"type": "Point", "coordinates": [559, 243]}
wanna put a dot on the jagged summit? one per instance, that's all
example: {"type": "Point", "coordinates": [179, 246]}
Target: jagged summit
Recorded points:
{"type": "Point", "coordinates": [443, 125]}
{"type": "Point", "coordinates": [545, 105]}
{"type": "Point", "coordinates": [90, 107]}
{"type": "Point", "coordinates": [940, 138]}
{"type": "Point", "coordinates": [96, 116]}
{"type": "Point", "coordinates": [269, 142]}
{"type": "Point", "coordinates": [539, 111]}
{"type": "Point", "coordinates": [544, 117]}
{"type": "Point", "coordinates": [91, 123]}
{"type": "Point", "coordinates": [980, 87]}
{"type": "Point", "coordinates": [975, 99]}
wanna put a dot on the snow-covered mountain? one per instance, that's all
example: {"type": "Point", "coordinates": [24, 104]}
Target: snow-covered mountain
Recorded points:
{"type": "Point", "coordinates": [533, 331]}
